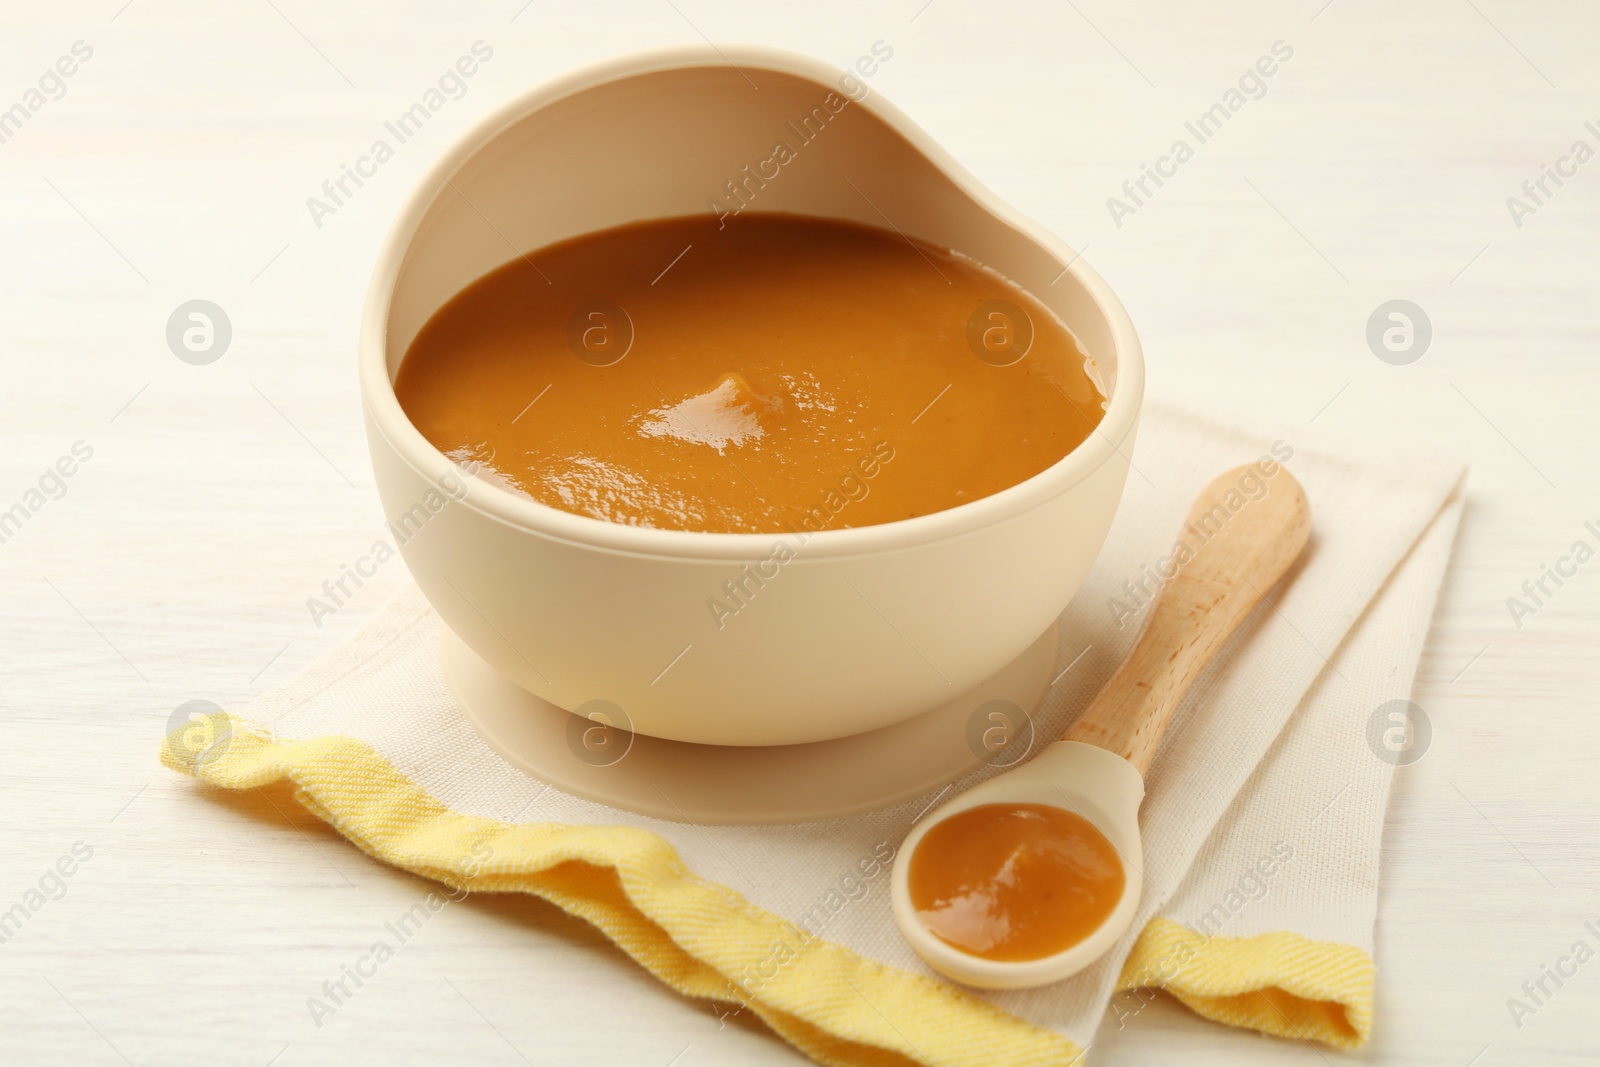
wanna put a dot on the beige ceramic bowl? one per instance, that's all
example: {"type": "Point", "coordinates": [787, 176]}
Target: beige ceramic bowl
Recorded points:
{"type": "Point", "coordinates": [864, 627]}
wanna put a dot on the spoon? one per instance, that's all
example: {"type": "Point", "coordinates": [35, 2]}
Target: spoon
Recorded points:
{"type": "Point", "coordinates": [1096, 771]}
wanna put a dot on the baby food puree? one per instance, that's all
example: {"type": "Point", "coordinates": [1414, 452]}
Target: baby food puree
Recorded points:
{"type": "Point", "coordinates": [773, 373]}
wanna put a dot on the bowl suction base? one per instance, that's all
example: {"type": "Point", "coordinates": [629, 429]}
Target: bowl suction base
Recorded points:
{"type": "Point", "coordinates": [714, 784]}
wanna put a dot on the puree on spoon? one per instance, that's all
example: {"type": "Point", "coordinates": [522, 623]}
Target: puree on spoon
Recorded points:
{"type": "Point", "coordinates": [778, 373]}
{"type": "Point", "coordinates": [1015, 881]}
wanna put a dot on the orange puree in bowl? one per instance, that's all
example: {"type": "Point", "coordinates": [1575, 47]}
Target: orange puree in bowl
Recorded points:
{"type": "Point", "coordinates": [1014, 881]}
{"type": "Point", "coordinates": [778, 373]}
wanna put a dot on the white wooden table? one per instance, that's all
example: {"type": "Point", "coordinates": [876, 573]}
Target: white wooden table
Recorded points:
{"type": "Point", "coordinates": [176, 564]}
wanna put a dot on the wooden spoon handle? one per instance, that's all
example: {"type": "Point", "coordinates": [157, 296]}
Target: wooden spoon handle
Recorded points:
{"type": "Point", "coordinates": [1242, 533]}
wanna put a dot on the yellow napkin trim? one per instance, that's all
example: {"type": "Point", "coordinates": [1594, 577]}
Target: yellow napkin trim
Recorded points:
{"type": "Point", "coordinates": [700, 938]}
{"type": "Point", "coordinates": [1279, 983]}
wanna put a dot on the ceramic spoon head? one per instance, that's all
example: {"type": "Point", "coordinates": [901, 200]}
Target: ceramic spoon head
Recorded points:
{"type": "Point", "coordinates": [1101, 787]}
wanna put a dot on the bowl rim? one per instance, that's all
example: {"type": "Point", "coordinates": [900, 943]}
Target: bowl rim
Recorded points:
{"type": "Point", "coordinates": [388, 419]}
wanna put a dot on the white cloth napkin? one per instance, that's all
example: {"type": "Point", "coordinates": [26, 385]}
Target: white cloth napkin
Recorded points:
{"type": "Point", "coordinates": [1269, 755]}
